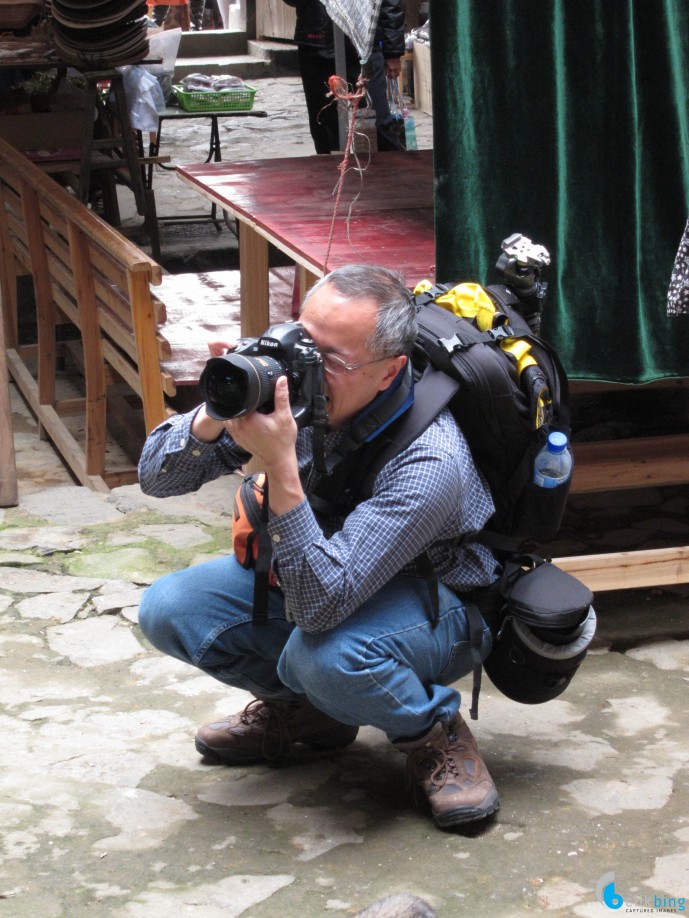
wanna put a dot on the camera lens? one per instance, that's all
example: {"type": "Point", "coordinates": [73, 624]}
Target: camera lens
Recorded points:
{"type": "Point", "coordinates": [234, 385]}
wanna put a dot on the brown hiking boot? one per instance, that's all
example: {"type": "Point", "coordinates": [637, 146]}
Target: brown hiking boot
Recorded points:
{"type": "Point", "coordinates": [268, 730]}
{"type": "Point", "coordinates": [446, 764]}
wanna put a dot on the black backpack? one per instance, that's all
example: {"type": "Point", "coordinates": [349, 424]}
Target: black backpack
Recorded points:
{"type": "Point", "coordinates": [507, 390]}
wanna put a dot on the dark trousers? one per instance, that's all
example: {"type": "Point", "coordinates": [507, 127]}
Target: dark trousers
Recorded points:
{"type": "Point", "coordinates": [323, 120]}
{"type": "Point", "coordinates": [196, 8]}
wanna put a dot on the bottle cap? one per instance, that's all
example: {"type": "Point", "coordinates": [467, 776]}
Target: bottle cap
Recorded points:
{"type": "Point", "coordinates": [557, 442]}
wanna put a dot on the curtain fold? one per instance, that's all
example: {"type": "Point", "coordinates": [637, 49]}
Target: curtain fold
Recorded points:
{"type": "Point", "coordinates": [569, 122]}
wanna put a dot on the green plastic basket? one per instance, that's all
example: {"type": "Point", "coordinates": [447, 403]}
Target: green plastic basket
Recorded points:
{"type": "Point", "coordinates": [226, 100]}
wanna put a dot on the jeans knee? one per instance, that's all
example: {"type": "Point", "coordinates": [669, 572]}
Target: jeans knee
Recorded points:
{"type": "Point", "coordinates": [319, 664]}
{"type": "Point", "coordinates": [155, 614]}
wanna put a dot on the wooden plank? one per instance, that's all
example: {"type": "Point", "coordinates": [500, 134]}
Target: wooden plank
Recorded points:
{"type": "Point", "coordinates": [116, 479]}
{"type": "Point", "coordinates": [600, 387]}
{"type": "Point", "coordinates": [640, 462]}
{"type": "Point", "coordinates": [70, 407]}
{"type": "Point", "coordinates": [122, 367]}
{"type": "Point", "coordinates": [8, 275]}
{"type": "Point", "coordinates": [143, 323]}
{"type": "Point", "coordinates": [46, 319]}
{"type": "Point", "coordinates": [627, 570]}
{"type": "Point", "coordinates": [9, 493]}
{"type": "Point", "coordinates": [53, 425]}
{"type": "Point", "coordinates": [274, 19]}
{"type": "Point", "coordinates": [254, 294]}
{"type": "Point", "coordinates": [94, 365]}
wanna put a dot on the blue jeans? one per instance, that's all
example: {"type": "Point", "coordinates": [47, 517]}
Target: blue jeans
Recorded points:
{"type": "Point", "coordinates": [385, 665]}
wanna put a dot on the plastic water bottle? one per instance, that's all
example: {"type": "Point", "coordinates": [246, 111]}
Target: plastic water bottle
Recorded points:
{"type": "Point", "coordinates": [553, 464]}
{"type": "Point", "coordinates": [409, 130]}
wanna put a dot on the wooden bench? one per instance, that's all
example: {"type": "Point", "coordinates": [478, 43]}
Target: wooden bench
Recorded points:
{"type": "Point", "coordinates": [48, 139]}
{"type": "Point", "coordinates": [636, 462]}
{"type": "Point", "coordinates": [136, 336]}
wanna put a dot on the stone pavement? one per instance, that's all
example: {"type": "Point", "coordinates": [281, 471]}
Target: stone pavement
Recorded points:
{"type": "Point", "coordinates": [105, 807]}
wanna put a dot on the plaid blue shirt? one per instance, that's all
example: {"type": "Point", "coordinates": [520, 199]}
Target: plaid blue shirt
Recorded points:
{"type": "Point", "coordinates": [422, 499]}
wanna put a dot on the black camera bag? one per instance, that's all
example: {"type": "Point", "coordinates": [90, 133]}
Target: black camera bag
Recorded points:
{"type": "Point", "coordinates": [542, 595]}
{"type": "Point", "coordinates": [542, 622]}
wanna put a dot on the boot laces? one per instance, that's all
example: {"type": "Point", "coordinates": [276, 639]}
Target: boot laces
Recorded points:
{"type": "Point", "coordinates": [271, 715]}
{"type": "Point", "coordinates": [436, 765]}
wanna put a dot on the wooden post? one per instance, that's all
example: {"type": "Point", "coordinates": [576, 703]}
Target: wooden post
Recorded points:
{"type": "Point", "coordinates": [254, 292]}
{"type": "Point", "coordinates": [8, 470]}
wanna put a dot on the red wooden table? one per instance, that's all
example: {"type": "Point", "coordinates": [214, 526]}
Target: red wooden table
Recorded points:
{"type": "Point", "coordinates": [384, 217]}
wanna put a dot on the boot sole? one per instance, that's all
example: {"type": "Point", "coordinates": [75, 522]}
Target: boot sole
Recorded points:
{"type": "Point", "coordinates": [222, 757]}
{"type": "Point", "coordinates": [462, 815]}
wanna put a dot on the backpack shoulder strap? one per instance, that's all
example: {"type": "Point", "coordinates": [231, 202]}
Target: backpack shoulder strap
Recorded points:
{"type": "Point", "coordinates": [433, 392]}
{"type": "Point", "coordinates": [351, 479]}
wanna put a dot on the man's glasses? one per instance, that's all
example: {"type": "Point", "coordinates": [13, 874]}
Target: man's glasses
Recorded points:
{"type": "Point", "coordinates": [336, 366]}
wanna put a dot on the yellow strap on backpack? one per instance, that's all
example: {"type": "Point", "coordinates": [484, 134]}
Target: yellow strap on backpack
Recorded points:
{"type": "Point", "coordinates": [470, 301]}
{"type": "Point", "coordinates": [520, 352]}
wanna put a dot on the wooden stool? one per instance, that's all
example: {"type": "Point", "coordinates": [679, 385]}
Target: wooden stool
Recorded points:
{"type": "Point", "coordinates": [111, 144]}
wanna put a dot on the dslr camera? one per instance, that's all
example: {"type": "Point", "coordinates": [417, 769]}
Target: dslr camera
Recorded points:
{"type": "Point", "coordinates": [521, 263]}
{"type": "Point", "coordinates": [244, 380]}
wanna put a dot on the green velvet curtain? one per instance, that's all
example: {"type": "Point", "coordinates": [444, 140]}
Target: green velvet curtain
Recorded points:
{"type": "Point", "coordinates": [568, 121]}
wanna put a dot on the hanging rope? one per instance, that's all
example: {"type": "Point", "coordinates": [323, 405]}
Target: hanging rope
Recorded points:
{"type": "Point", "coordinates": [340, 91]}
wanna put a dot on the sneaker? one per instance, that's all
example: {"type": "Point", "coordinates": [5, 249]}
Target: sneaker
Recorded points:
{"type": "Point", "coordinates": [445, 763]}
{"type": "Point", "coordinates": [268, 730]}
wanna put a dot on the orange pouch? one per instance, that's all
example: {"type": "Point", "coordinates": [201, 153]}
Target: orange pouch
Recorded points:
{"type": "Point", "coordinates": [250, 539]}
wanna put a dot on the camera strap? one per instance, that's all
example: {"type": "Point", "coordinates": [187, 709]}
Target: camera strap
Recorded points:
{"type": "Point", "coordinates": [262, 562]}
{"type": "Point", "coordinates": [319, 423]}
{"type": "Point", "coordinates": [251, 540]}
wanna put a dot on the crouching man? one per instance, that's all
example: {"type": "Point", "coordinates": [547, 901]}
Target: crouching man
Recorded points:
{"type": "Point", "coordinates": [351, 637]}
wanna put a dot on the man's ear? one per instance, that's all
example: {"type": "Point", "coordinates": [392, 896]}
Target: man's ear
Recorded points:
{"type": "Point", "coordinates": [391, 372]}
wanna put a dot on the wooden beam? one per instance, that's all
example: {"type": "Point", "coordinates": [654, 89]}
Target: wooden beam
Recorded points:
{"type": "Point", "coordinates": [53, 425]}
{"type": "Point", "coordinates": [627, 570]}
{"type": "Point", "coordinates": [640, 462]}
{"type": "Point", "coordinates": [9, 495]}
{"type": "Point", "coordinates": [593, 387]}
{"type": "Point", "coordinates": [254, 292]}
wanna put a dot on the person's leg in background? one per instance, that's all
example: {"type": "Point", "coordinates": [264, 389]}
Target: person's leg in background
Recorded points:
{"type": "Point", "coordinates": [323, 120]}
{"type": "Point", "coordinates": [377, 88]}
{"type": "Point", "coordinates": [215, 14]}
{"type": "Point", "coordinates": [196, 8]}
{"type": "Point", "coordinates": [159, 13]}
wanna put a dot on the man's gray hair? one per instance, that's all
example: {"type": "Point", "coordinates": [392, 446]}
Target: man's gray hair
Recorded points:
{"type": "Point", "coordinates": [396, 320]}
